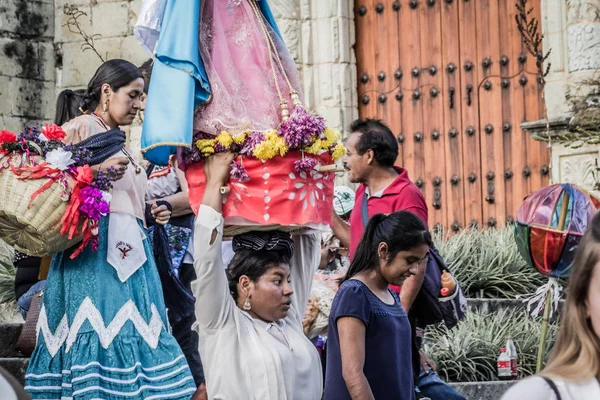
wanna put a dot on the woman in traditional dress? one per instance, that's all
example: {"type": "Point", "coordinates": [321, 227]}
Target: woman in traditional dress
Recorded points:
{"type": "Point", "coordinates": [250, 317]}
{"type": "Point", "coordinates": [102, 326]}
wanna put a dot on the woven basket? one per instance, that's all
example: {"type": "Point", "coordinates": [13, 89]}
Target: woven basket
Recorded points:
{"type": "Point", "coordinates": [34, 228]}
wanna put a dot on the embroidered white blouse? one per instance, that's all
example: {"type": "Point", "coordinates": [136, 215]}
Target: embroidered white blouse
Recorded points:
{"type": "Point", "coordinates": [536, 388]}
{"type": "Point", "coordinates": [245, 358]}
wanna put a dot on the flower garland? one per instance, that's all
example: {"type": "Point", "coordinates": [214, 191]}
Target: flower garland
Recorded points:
{"type": "Point", "coordinates": [88, 197]}
{"type": "Point", "coordinates": [303, 131]}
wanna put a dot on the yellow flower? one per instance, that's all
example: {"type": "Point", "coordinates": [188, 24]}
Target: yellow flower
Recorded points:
{"type": "Point", "coordinates": [315, 147]}
{"type": "Point", "coordinates": [206, 146]}
{"type": "Point", "coordinates": [332, 137]}
{"type": "Point", "coordinates": [338, 152]}
{"type": "Point", "coordinates": [239, 139]}
{"type": "Point", "coordinates": [272, 146]}
{"type": "Point", "coordinates": [224, 139]}
{"type": "Point", "coordinates": [207, 151]}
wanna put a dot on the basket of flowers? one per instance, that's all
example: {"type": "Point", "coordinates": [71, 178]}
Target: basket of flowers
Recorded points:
{"type": "Point", "coordinates": [282, 179]}
{"type": "Point", "coordinates": [49, 197]}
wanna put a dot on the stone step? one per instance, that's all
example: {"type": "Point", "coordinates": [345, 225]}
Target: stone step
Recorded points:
{"type": "Point", "coordinates": [9, 334]}
{"type": "Point", "coordinates": [16, 366]}
{"type": "Point", "coordinates": [483, 390]}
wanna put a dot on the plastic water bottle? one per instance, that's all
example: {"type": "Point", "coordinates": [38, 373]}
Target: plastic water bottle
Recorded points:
{"type": "Point", "coordinates": [511, 351]}
{"type": "Point", "coordinates": [504, 370]}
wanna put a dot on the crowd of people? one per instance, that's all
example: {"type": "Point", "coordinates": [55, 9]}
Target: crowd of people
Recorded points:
{"type": "Point", "coordinates": [170, 308]}
{"type": "Point", "coordinates": [123, 329]}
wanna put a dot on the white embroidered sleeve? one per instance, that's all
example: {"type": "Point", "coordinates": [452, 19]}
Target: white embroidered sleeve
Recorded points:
{"type": "Point", "coordinates": [304, 263]}
{"type": "Point", "coordinates": [214, 304]}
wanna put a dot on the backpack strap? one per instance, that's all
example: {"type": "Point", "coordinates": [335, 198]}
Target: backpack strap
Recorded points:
{"type": "Point", "coordinates": [364, 210]}
{"type": "Point", "coordinates": [552, 385]}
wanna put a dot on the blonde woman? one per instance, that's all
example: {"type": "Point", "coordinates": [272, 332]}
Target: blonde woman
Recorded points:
{"type": "Point", "coordinates": [574, 367]}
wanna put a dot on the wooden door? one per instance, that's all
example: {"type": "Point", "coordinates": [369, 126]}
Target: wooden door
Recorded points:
{"type": "Point", "coordinates": [453, 81]}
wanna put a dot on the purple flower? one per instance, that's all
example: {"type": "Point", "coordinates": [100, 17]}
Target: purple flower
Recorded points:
{"type": "Point", "coordinates": [92, 203]}
{"type": "Point", "coordinates": [250, 143]}
{"type": "Point", "coordinates": [305, 164]}
{"type": "Point", "coordinates": [238, 172]}
{"type": "Point", "coordinates": [301, 128]}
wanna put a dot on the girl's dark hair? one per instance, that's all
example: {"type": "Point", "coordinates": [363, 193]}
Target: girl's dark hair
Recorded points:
{"type": "Point", "coordinates": [117, 73]}
{"type": "Point", "coordinates": [146, 70]}
{"type": "Point", "coordinates": [253, 264]}
{"type": "Point", "coordinates": [67, 105]}
{"type": "Point", "coordinates": [401, 231]}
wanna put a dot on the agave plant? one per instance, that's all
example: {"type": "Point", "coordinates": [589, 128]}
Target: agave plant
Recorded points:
{"type": "Point", "coordinates": [468, 352]}
{"type": "Point", "coordinates": [487, 263]}
{"type": "Point", "coordinates": [7, 273]}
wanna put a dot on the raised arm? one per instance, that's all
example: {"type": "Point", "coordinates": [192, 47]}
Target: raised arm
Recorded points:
{"type": "Point", "coordinates": [304, 263]}
{"type": "Point", "coordinates": [214, 304]}
{"type": "Point", "coordinates": [341, 230]}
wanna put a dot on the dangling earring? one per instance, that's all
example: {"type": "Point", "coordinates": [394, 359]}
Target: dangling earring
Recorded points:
{"type": "Point", "coordinates": [247, 306]}
{"type": "Point", "coordinates": [105, 106]}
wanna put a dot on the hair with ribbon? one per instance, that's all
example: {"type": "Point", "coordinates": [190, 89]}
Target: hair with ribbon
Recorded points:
{"type": "Point", "coordinates": [576, 354]}
{"type": "Point", "coordinates": [401, 231]}
{"type": "Point", "coordinates": [256, 253]}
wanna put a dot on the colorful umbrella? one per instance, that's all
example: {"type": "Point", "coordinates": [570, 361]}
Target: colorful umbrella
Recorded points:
{"type": "Point", "coordinates": [549, 225]}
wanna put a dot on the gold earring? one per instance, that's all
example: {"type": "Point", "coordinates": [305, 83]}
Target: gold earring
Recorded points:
{"type": "Point", "coordinates": [105, 106]}
{"type": "Point", "coordinates": [247, 306]}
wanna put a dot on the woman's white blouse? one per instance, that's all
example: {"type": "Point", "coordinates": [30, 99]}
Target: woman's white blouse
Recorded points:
{"type": "Point", "coordinates": [245, 358]}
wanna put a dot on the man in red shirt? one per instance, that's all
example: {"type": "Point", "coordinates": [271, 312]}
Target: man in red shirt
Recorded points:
{"type": "Point", "coordinates": [384, 188]}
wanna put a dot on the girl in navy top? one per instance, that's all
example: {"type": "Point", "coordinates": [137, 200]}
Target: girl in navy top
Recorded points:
{"type": "Point", "coordinates": [369, 344]}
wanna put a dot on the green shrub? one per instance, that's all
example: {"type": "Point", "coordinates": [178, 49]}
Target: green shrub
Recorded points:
{"type": "Point", "coordinates": [469, 351]}
{"type": "Point", "coordinates": [488, 264]}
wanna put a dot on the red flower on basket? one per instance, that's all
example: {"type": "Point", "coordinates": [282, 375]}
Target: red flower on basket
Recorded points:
{"type": "Point", "coordinates": [84, 175]}
{"type": "Point", "coordinates": [7, 137]}
{"type": "Point", "coordinates": [53, 132]}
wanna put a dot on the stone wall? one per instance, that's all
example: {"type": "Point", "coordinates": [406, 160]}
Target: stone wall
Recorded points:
{"type": "Point", "coordinates": [572, 30]}
{"type": "Point", "coordinates": [320, 36]}
{"type": "Point", "coordinates": [112, 22]}
{"type": "Point", "coordinates": [26, 63]}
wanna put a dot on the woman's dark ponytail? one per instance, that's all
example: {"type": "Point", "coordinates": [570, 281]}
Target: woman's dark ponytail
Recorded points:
{"type": "Point", "coordinates": [401, 231]}
{"type": "Point", "coordinates": [366, 254]}
{"type": "Point", "coordinates": [68, 105]}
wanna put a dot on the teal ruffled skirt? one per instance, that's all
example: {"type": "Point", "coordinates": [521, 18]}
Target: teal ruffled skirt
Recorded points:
{"type": "Point", "coordinates": [101, 338]}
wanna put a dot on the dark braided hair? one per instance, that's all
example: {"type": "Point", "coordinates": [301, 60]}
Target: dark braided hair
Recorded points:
{"type": "Point", "coordinates": [117, 73]}
{"type": "Point", "coordinates": [255, 254]}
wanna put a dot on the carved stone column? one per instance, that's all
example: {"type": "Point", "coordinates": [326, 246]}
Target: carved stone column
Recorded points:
{"type": "Point", "coordinates": [572, 31]}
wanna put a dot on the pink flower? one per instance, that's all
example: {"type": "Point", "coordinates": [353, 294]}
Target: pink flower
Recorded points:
{"type": "Point", "coordinates": [301, 128]}
{"type": "Point", "coordinates": [238, 172]}
{"type": "Point", "coordinates": [305, 164]}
